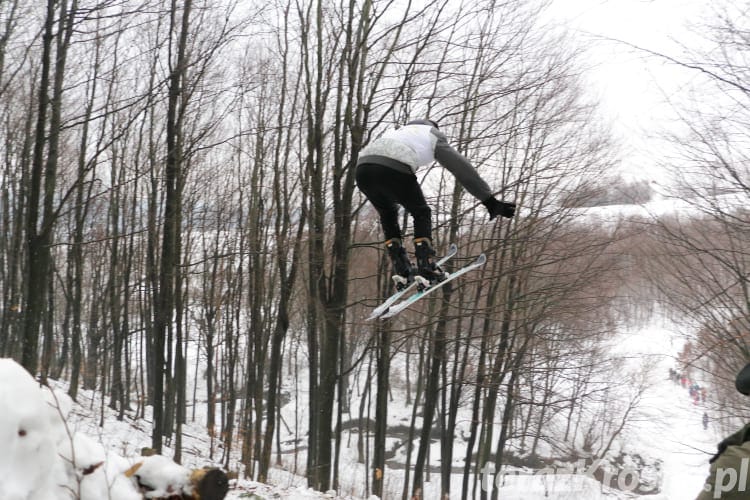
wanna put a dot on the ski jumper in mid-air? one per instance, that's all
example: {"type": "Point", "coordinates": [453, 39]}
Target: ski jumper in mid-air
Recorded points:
{"type": "Point", "coordinates": [386, 174]}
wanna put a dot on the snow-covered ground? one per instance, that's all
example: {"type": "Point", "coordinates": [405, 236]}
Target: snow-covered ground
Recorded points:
{"type": "Point", "coordinates": [668, 427]}
{"type": "Point", "coordinates": [672, 424]}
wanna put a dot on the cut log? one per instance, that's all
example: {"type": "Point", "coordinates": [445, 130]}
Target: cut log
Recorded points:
{"type": "Point", "coordinates": [162, 479]}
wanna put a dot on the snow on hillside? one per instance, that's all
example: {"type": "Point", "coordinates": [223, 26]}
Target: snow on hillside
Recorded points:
{"type": "Point", "coordinates": [671, 423]}
{"type": "Point", "coordinates": [662, 204]}
{"type": "Point", "coordinates": [55, 449]}
{"type": "Point", "coordinates": [668, 427]}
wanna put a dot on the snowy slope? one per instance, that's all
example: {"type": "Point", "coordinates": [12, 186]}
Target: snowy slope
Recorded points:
{"type": "Point", "coordinates": [54, 449]}
{"type": "Point", "coordinates": [672, 425]}
{"type": "Point", "coordinates": [669, 427]}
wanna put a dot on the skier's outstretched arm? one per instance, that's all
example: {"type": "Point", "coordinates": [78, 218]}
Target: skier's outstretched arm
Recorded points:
{"type": "Point", "coordinates": [468, 177]}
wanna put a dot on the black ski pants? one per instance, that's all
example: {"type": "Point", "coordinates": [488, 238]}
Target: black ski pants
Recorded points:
{"type": "Point", "coordinates": [387, 188]}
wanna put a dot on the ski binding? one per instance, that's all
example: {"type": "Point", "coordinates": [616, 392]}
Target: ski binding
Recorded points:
{"type": "Point", "coordinates": [395, 309]}
{"type": "Point", "coordinates": [403, 286]}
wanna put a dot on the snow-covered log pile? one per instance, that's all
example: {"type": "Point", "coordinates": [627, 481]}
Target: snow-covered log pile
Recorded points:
{"type": "Point", "coordinates": [42, 458]}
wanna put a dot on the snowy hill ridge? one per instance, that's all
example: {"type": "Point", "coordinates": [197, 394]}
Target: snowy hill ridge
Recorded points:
{"type": "Point", "coordinates": [665, 205]}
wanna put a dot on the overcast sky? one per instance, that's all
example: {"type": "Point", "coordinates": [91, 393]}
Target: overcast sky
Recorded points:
{"type": "Point", "coordinates": [632, 86]}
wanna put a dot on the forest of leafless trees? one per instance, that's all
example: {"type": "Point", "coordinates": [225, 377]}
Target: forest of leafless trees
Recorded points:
{"type": "Point", "coordinates": [181, 231]}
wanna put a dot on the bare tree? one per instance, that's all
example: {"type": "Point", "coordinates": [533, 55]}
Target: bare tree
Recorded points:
{"type": "Point", "coordinates": [698, 258]}
{"type": "Point", "coordinates": [206, 213]}
{"type": "Point", "coordinates": [43, 176]}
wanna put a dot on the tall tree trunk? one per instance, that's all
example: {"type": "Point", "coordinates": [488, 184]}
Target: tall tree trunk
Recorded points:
{"type": "Point", "coordinates": [180, 367]}
{"type": "Point", "coordinates": [94, 331]}
{"type": "Point", "coordinates": [171, 230]}
{"type": "Point", "coordinates": [15, 223]}
{"type": "Point", "coordinates": [75, 255]}
{"type": "Point", "coordinates": [36, 245]}
{"type": "Point", "coordinates": [65, 33]}
{"type": "Point", "coordinates": [288, 266]}
{"type": "Point", "coordinates": [114, 286]}
{"type": "Point", "coordinates": [432, 392]}
{"type": "Point", "coordinates": [495, 378]}
{"type": "Point", "coordinates": [381, 409]}
{"type": "Point", "coordinates": [504, 426]}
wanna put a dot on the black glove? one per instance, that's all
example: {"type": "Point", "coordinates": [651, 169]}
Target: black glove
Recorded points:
{"type": "Point", "coordinates": [496, 207]}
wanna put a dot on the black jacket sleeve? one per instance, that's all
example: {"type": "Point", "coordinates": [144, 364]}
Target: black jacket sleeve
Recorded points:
{"type": "Point", "coordinates": [460, 167]}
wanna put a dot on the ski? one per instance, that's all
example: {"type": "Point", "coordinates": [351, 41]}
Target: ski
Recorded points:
{"type": "Point", "coordinates": [383, 308]}
{"type": "Point", "coordinates": [394, 310]}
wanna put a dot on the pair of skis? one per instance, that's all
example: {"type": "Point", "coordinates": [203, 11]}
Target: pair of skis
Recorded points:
{"type": "Point", "coordinates": [419, 289]}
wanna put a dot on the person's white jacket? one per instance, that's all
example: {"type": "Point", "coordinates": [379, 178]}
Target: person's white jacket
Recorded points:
{"type": "Point", "coordinates": [418, 144]}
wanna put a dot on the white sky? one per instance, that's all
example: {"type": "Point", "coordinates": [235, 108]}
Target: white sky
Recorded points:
{"type": "Point", "coordinates": [632, 86]}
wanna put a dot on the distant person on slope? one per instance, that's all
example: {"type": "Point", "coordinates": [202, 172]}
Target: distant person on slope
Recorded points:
{"type": "Point", "coordinates": [386, 174]}
{"type": "Point", "coordinates": [726, 479]}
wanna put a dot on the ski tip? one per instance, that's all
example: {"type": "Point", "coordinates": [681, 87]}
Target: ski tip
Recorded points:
{"type": "Point", "coordinates": [481, 259]}
{"type": "Point", "coordinates": [379, 317]}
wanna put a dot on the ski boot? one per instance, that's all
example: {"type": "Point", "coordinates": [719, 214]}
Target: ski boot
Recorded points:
{"type": "Point", "coordinates": [403, 271]}
{"type": "Point", "coordinates": [428, 271]}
